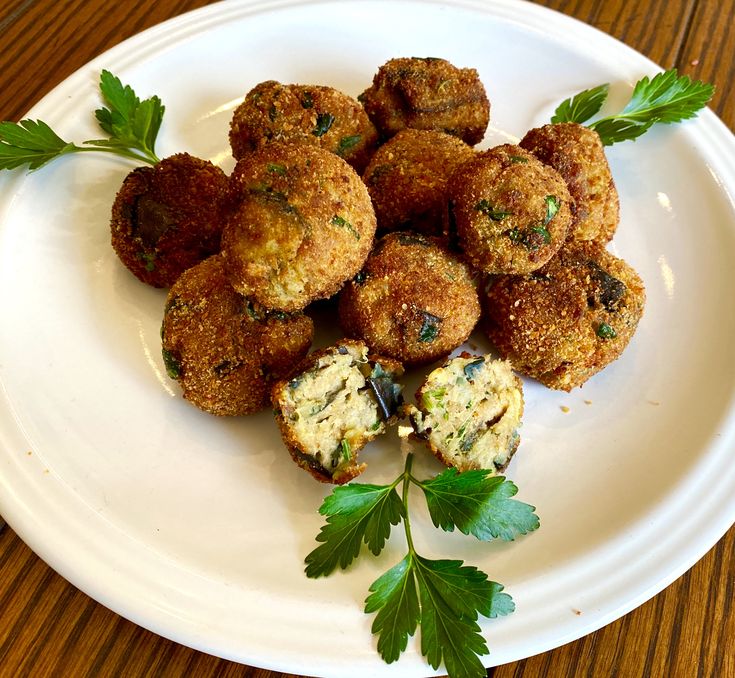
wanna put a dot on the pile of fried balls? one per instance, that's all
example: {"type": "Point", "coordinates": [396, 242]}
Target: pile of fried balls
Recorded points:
{"type": "Point", "coordinates": [383, 206]}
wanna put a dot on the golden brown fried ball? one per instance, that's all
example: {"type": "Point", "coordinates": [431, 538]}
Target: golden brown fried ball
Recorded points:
{"type": "Point", "coordinates": [304, 225]}
{"type": "Point", "coordinates": [469, 412]}
{"type": "Point", "coordinates": [223, 349]}
{"type": "Point", "coordinates": [568, 320]}
{"type": "Point", "coordinates": [413, 300]}
{"type": "Point", "coordinates": [340, 399]}
{"type": "Point", "coordinates": [428, 93]}
{"type": "Point", "coordinates": [306, 114]}
{"type": "Point", "coordinates": [509, 212]}
{"type": "Point", "coordinates": [577, 153]}
{"type": "Point", "coordinates": [407, 179]}
{"type": "Point", "coordinates": [169, 217]}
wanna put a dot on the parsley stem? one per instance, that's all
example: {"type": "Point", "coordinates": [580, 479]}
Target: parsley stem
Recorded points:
{"type": "Point", "coordinates": [407, 479]}
{"type": "Point", "coordinates": [148, 157]}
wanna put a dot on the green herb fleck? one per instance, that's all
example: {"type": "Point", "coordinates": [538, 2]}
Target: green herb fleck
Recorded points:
{"type": "Point", "coordinates": [346, 450]}
{"type": "Point", "coordinates": [494, 213]}
{"type": "Point", "coordinates": [343, 223]}
{"type": "Point", "coordinates": [276, 168]}
{"type": "Point", "coordinates": [605, 331]}
{"type": "Point", "coordinates": [552, 207]}
{"type": "Point", "coordinates": [307, 101]}
{"type": "Point", "coordinates": [323, 123]}
{"type": "Point", "coordinates": [515, 159]}
{"type": "Point", "coordinates": [149, 260]}
{"type": "Point", "coordinates": [173, 366]}
{"type": "Point", "coordinates": [348, 143]}
{"type": "Point", "coordinates": [430, 326]}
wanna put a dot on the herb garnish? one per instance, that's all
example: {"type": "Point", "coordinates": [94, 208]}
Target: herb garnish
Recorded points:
{"type": "Point", "coordinates": [347, 143]}
{"type": "Point", "coordinates": [132, 125]}
{"type": "Point", "coordinates": [343, 223]}
{"type": "Point", "coordinates": [605, 331]}
{"type": "Point", "coordinates": [666, 98]}
{"type": "Point", "coordinates": [443, 597]}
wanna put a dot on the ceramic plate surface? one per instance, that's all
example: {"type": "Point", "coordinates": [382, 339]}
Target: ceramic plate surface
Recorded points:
{"type": "Point", "coordinates": [196, 527]}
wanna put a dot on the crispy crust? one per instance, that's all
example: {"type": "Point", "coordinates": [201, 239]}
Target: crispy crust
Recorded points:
{"type": "Point", "coordinates": [510, 213]}
{"type": "Point", "coordinates": [407, 179]}
{"type": "Point", "coordinates": [167, 218]}
{"type": "Point", "coordinates": [314, 115]}
{"type": "Point", "coordinates": [429, 94]}
{"type": "Point", "coordinates": [576, 152]}
{"type": "Point", "coordinates": [414, 300]}
{"type": "Point", "coordinates": [224, 350]}
{"type": "Point", "coordinates": [570, 319]}
{"type": "Point", "coordinates": [303, 226]}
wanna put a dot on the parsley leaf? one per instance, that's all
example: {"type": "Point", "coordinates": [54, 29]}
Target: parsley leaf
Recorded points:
{"type": "Point", "coordinates": [30, 142]}
{"type": "Point", "coordinates": [451, 595]}
{"type": "Point", "coordinates": [355, 513]}
{"type": "Point", "coordinates": [477, 503]}
{"type": "Point", "coordinates": [132, 124]}
{"type": "Point", "coordinates": [581, 107]}
{"type": "Point", "coordinates": [393, 597]}
{"type": "Point", "coordinates": [665, 98]}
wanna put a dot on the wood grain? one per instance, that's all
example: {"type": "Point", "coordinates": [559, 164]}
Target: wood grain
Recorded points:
{"type": "Point", "coordinates": [49, 628]}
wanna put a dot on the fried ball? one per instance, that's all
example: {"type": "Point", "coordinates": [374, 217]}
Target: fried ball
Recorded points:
{"type": "Point", "coordinates": [428, 93]}
{"type": "Point", "coordinates": [469, 412]}
{"type": "Point", "coordinates": [407, 179]}
{"type": "Point", "coordinates": [568, 320]}
{"type": "Point", "coordinates": [304, 225]}
{"type": "Point", "coordinates": [340, 400]}
{"type": "Point", "coordinates": [224, 350]}
{"type": "Point", "coordinates": [414, 300]}
{"type": "Point", "coordinates": [169, 217]}
{"type": "Point", "coordinates": [577, 153]}
{"type": "Point", "coordinates": [306, 114]}
{"type": "Point", "coordinates": [509, 212]}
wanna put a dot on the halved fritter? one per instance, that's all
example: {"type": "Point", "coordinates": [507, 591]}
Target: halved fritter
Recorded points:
{"type": "Point", "coordinates": [340, 399]}
{"type": "Point", "coordinates": [469, 412]}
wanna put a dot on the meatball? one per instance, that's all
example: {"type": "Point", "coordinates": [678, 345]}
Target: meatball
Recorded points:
{"type": "Point", "coordinates": [508, 211]}
{"type": "Point", "coordinates": [340, 400]}
{"type": "Point", "coordinates": [568, 320]}
{"type": "Point", "coordinates": [577, 153]}
{"type": "Point", "coordinates": [303, 226]}
{"type": "Point", "coordinates": [169, 217]}
{"type": "Point", "coordinates": [428, 93]}
{"type": "Point", "coordinates": [306, 114]}
{"type": "Point", "coordinates": [413, 300]}
{"type": "Point", "coordinates": [223, 349]}
{"type": "Point", "coordinates": [469, 412]}
{"type": "Point", "coordinates": [407, 179]}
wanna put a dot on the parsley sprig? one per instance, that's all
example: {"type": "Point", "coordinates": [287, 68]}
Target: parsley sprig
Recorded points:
{"type": "Point", "coordinates": [665, 98]}
{"type": "Point", "coordinates": [443, 597]}
{"type": "Point", "coordinates": [132, 126]}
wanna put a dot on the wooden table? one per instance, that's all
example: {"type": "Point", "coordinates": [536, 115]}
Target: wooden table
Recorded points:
{"type": "Point", "coordinates": [47, 627]}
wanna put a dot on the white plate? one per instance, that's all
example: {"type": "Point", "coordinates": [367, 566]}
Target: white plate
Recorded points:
{"type": "Point", "coordinates": [196, 527]}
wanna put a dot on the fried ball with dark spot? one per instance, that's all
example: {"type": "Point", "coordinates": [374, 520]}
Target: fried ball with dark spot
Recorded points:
{"type": "Point", "coordinates": [304, 225]}
{"type": "Point", "coordinates": [508, 211]}
{"type": "Point", "coordinates": [414, 300]}
{"type": "Point", "coordinates": [340, 399]}
{"type": "Point", "coordinates": [577, 153]}
{"type": "Point", "coordinates": [169, 217]}
{"type": "Point", "coordinates": [568, 320]}
{"type": "Point", "coordinates": [407, 179]}
{"type": "Point", "coordinates": [428, 93]}
{"type": "Point", "coordinates": [306, 114]}
{"type": "Point", "coordinates": [469, 412]}
{"type": "Point", "coordinates": [223, 349]}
